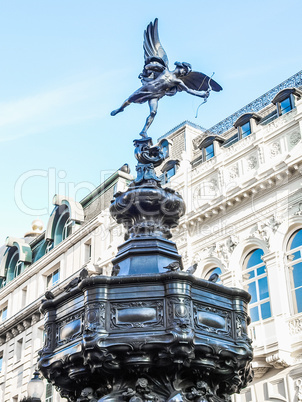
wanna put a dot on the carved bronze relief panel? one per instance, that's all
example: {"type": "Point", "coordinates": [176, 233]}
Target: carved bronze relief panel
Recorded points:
{"type": "Point", "coordinates": [137, 314]}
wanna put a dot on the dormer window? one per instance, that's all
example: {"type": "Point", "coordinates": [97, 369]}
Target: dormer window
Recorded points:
{"type": "Point", "coordinates": [164, 144]}
{"type": "Point", "coordinates": [245, 129]}
{"type": "Point", "coordinates": [207, 146]}
{"type": "Point", "coordinates": [285, 106]}
{"type": "Point", "coordinates": [246, 123]}
{"type": "Point", "coordinates": [169, 170]}
{"type": "Point", "coordinates": [208, 152]}
{"type": "Point", "coordinates": [285, 100]}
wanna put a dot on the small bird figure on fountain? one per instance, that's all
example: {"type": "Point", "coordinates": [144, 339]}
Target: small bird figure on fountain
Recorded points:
{"type": "Point", "coordinates": [159, 81]}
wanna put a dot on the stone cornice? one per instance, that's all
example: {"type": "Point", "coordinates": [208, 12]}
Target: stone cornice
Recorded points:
{"type": "Point", "coordinates": [241, 194]}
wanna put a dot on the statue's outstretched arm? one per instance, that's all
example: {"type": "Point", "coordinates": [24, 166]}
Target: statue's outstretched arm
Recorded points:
{"type": "Point", "coordinates": [201, 94]}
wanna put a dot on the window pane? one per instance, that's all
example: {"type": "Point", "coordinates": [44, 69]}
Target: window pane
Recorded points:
{"type": "Point", "coordinates": [165, 148]}
{"type": "Point", "coordinates": [170, 172]}
{"type": "Point", "coordinates": [209, 152]}
{"type": "Point", "coordinates": [246, 129]}
{"type": "Point", "coordinates": [4, 314]}
{"type": "Point", "coordinates": [255, 258]}
{"type": "Point", "coordinates": [297, 275]}
{"type": "Point", "coordinates": [297, 240]}
{"type": "Point", "coordinates": [296, 255]}
{"type": "Point", "coordinates": [251, 274]}
{"type": "Point", "coordinates": [1, 362]}
{"type": "Point", "coordinates": [299, 300]}
{"type": "Point", "coordinates": [56, 277]}
{"type": "Point", "coordinates": [265, 310]}
{"type": "Point", "coordinates": [261, 270]}
{"type": "Point", "coordinates": [263, 288]}
{"type": "Point", "coordinates": [252, 292]}
{"type": "Point", "coordinates": [285, 106]}
{"type": "Point", "coordinates": [254, 313]}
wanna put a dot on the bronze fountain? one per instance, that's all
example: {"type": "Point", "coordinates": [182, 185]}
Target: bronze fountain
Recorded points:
{"type": "Point", "coordinates": [152, 331]}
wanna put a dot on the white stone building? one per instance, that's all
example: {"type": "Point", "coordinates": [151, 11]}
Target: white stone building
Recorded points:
{"type": "Point", "coordinates": [241, 181]}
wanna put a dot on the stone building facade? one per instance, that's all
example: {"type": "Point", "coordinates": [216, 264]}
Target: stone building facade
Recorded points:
{"type": "Point", "coordinates": [241, 181]}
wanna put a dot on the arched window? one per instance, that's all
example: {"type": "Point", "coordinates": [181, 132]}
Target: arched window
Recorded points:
{"type": "Point", "coordinates": [212, 271]}
{"type": "Point", "coordinates": [63, 226]}
{"type": "Point", "coordinates": [295, 247]}
{"type": "Point", "coordinates": [165, 147]}
{"type": "Point", "coordinates": [13, 265]}
{"type": "Point", "coordinates": [255, 280]}
{"type": "Point", "coordinates": [66, 214]}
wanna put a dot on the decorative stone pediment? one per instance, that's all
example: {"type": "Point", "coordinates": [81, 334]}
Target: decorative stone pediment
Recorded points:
{"type": "Point", "coordinates": [279, 360]}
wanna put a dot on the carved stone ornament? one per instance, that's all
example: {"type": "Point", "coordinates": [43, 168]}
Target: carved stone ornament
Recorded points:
{"type": "Point", "coordinates": [299, 386]}
{"type": "Point", "coordinates": [261, 232]}
{"type": "Point", "coordinates": [279, 360]}
{"type": "Point", "coordinates": [252, 162]}
{"type": "Point", "coordinates": [294, 138]}
{"type": "Point", "coordinates": [233, 172]}
{"type": "Point", "coordinates": [231, 243]}
{"type": "Point", "coordinates": [295, 326]}
{"type": "Point", "coordinates": [275, 149]}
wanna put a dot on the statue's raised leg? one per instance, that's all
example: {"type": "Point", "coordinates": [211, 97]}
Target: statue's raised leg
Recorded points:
{"type": "Point", "coordinates": [153, 103]}
{"type": "Point", "coordinates": [120, 109]}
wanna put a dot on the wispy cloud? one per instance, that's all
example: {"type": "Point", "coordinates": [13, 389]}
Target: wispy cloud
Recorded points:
{"type": "Point", "coordinates": [65, 105]}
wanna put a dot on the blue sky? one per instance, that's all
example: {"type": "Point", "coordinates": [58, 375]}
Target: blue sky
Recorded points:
{"type": "Point", "coordinates": [66, 64]}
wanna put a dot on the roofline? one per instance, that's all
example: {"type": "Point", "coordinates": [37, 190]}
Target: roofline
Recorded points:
{"type": "Point", "coordinates": [256, 105]}
{"type": "Point", "coordinates": [184, 123]}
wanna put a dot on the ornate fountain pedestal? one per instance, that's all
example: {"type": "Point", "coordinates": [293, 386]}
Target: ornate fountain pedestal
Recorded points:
{"type": "Point", "coordinates": [150, 332]}
{"type": "Point", "coordinates": [177, 334]}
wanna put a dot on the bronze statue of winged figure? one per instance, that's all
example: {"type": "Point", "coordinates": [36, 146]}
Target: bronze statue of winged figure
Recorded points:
{"type": "Point", "coordinates": [158, 81]}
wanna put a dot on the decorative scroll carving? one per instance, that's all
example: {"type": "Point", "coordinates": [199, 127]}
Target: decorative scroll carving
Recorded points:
{"type": "Point", "coordinates": [237, 146]}
{"type": "Point", "coordinates": [260, 371]}
{"type": "Point", "coordinates": [294, 138]}
{"type": "Point", "coordinates": [231, 243]}
{"type": "Point", "coordinates": [179, 312]}
{"type": "Point", "coordinates": [260, 232]}
{"type": "Point", "coordinates": [252, 162]}
{"type": "Point", "coordinates": [212, 320]}
{"type": "Point", "coordinates": [233, 172]}
{"type": "Point", "coordinates": [69, 329]}
{"type": "Point", "coordinates": [241, 326]}
{"type": "Point", "coordinates": [279, 360]}
{"type": "Point", "coordinates": [278, 122]}
{"type": "Point", "coordinates": [275, 149]}
{"type": "Point", "coordinates": [140, 314]}
{"type": "Point", "coordinates": [295, 326]}
{"type": "Point", "coordinates": [95, 316]}
{"type": "Point", "coordinates": [199, 392]}
{"type": "Point", "coordinates": [299, 386]}
{"type": "Point", "coordinates": [273, 223]}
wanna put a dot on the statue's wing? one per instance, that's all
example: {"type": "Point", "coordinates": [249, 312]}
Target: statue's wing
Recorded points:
{"type": "Point", "coordinates": [200, 82]}
{"type": "Point", "coordinates": [152, 45]}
